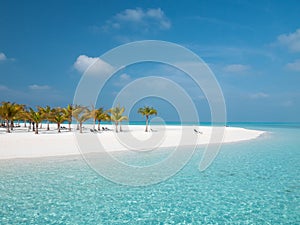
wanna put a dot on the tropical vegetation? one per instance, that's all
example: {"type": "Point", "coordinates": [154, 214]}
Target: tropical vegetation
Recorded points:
{"type": "Point", "coordinates": [147, 111]}
{"type": "Point", "coordinates": [8, 112]}
{"type": "Point", "coordinates": [100, 115]}
{"type": "Point", "coordinates": [81, 114]}
{"type": "Point", "coordinates": [117, 116]}
{"type": "Point", "coordinates": [11, 112]}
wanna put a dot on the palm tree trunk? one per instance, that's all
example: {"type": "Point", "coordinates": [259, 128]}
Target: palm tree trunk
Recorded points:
{"type": "Point", "coordinates": [80, 127]}
{"type": "Point", "coordinates": [33, 127]}
{"type": "Point", "coordinates": [94, 124]}
{"type": "Point", "coordinates": [11, 125]}
{"type": "Point", "coordinates": [116, 123]}
{"type": "Point", "coordinates": [48, 126]}
{"type": "Point", "coordinates": [121, 127]}
{"type": "Point", "coordinates": [147, 118]}
{"type": "Point", "coordinates": [77, 128]}
{"type": "Point", "coordinates": [99, 121]}
{"type": "Point", "coordinates": [7, 126]}
{"type": "Point", "coordinates": [69, 126]}
{"type": "Point", "coordinates": [58, 124]}
{"type": "Point", "coordinates": [36, 128]}
{"type": "Point", "coordinates": [25, 123]}
{"type": "Point", "coordinates": [41, 125]}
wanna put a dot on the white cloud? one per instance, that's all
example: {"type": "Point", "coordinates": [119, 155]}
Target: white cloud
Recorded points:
{"type": "Point", "coordinates": [123, 80]}
{"type": "Point", "coordinates": [131, 15]}
{"type": "Point", "coordinates": [291, 41]}
{"type": "Point", "coordinates": [124, 77]}
{"type": "Point", "coordinates": [259, 95]}
{"type": "Point", "coordinates": [235, 68]}
{"type": "Point", "coordinates": [83, 62]}
{"type": "Point", "coordinates": [139, 20]}
{"type": "Point", "coordinates": [39, 87]}
{"type": "Point", "coordinates": [95, 65]}
{"type": "Point", "coordinates": [2, 56]}
{"type": "Point", "coordinates": [295, 66]}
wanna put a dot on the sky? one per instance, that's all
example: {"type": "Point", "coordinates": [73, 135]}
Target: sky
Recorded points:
{"type": "Point", "coordinates": [252, 48]}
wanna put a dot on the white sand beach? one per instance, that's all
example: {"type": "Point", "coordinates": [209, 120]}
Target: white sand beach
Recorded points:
{"type": "Point", "coordinates": [24, 144]}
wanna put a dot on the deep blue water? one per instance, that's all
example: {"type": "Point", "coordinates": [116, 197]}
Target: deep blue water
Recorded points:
{"type": "Point", "coordinates": [252, 182]}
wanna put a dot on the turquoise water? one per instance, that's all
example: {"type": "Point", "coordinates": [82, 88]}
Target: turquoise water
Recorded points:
{"type": "Point", "coordinates": [233, 124]}
{"type": "Point", "coordinates": [252, 182]}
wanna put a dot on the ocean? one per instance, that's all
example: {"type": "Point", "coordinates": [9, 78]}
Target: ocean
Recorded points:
{"type": "Point", "coordinates": [250, 182]}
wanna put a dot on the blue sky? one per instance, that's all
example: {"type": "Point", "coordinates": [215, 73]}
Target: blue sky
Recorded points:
{"type": "Point", "coordinates": [253, 48]}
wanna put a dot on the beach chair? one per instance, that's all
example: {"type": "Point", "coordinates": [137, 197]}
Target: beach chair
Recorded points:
{"type": "Point", "coordinates": [197, 132]}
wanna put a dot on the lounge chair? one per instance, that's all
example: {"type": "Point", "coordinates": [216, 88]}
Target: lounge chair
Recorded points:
{"type": "Point", "coordinates": [198, 132]}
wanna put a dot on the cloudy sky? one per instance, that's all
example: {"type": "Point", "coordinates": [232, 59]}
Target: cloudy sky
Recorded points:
{"type": "Point", "coordinates": [252, 47]}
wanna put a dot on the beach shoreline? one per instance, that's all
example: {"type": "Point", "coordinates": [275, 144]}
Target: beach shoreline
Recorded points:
{"type": "Point", "coordinates": [22, 143]}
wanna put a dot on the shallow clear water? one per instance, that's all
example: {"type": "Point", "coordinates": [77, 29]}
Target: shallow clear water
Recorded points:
{"type": "Point", "coordinates": [253, 182]}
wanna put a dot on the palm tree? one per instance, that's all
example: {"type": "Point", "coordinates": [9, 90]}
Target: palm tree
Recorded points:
{"type": "Point", "coordinates": [147, 111]}
{"type": "Point", "coordinates": [77, 109]}
{"type": "Point", "coordinates": [26, 117]}
{"type": "Point", "coordinates": [17, 116]}
{"type": "Point", "coordinates": [46, 111]}
{"type": "Point", "coordinates": [93, 114]}
{"type": "Point", "coordinates": [21, 115]}
{"type": "Point", "coordinates": [40, 110]}
{"type": "Point", "coordinates": [8, 111]}
{"type": "Point", "coordinates": [19, 109]}
{"type": "Point", "coordinates": [101, 115]}
{"type": "Point", "coordinates": [57, 116]}
{"type": "Point", "coordinates": [68, 114]}
{"type": "Point", "coordinates": [36, 117]}
{"type": "Point", "coordinates": [81, 114]}
{"type": "Point", "coordinates": [117, 116]}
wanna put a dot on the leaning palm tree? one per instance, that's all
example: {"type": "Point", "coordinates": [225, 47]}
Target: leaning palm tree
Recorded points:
{"type": "Point", "coordinates": [77, 109]}
{"type": "Point", "coordinates": [46, 111]}
{"type": "Point", "coordinates": [81, 114]}
{"type": "Point", "coordinates": [36, 117]}
{"type": "Point", "coordinates": [24, 115]}
{"type": "Point", "coordinates": [40, 110]}
{"type": "Point", "coordinates": [93, 114]}
{"type": "Point", "coordinates": [147, 111]}
{"type": "Point", "coordinates": [117, 116]}
{"type": "Point", "coordinates": [57, 116]}
{"type": "Point", "coordinates": [8, 111]}
{"type": "Point", "coordinates": [21, 115]}
{"type": "Point", "coordinates": [101, 115]}
{"type": "Point", "coordinates": [68, 114]}
{"type": "Point", "coordinates": [19, 109]}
